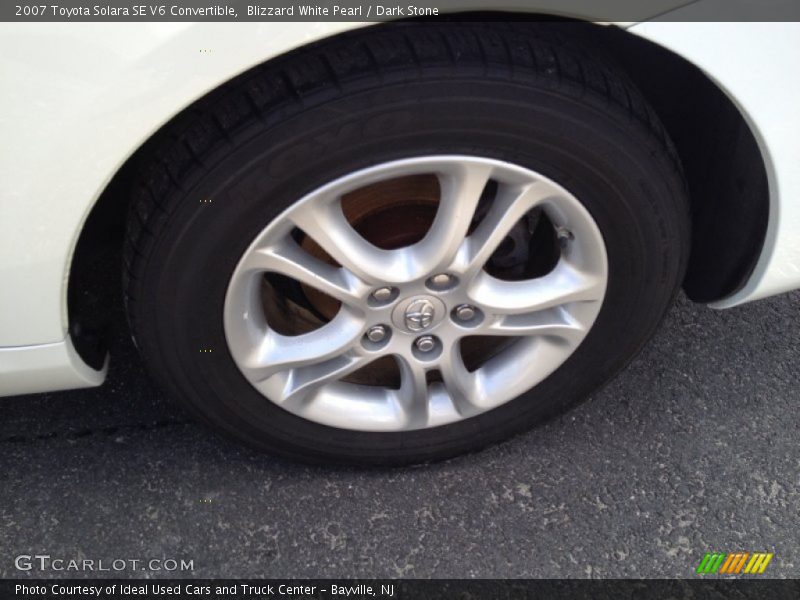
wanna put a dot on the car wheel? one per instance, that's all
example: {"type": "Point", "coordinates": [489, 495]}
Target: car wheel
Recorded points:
{"type": "Point", "coordinates": [404, 243]}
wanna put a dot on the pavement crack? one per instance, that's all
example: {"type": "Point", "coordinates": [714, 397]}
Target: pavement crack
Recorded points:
{"type": "Point", "coordinates": [77, 434]}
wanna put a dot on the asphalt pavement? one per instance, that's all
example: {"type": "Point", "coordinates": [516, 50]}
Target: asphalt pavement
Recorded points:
{"type": "Point", "coordinates": [694, 448]}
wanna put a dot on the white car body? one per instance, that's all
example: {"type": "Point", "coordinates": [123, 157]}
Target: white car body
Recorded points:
{"type": "Point", "coordinates": [79, 98]}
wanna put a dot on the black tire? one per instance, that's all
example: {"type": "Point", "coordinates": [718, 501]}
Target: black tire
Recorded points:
{"type": "Point", "coordinates": [522, 94]}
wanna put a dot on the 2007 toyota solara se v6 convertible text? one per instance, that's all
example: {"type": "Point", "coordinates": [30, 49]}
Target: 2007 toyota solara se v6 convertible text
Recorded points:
{"type": "Point", "coordinates": [385, 243]}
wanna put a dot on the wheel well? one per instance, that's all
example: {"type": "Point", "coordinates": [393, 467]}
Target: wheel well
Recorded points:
{"type": "Point", "coordinates": [722, 162]}
{"type": "Point", "coordinates": [723, 166]}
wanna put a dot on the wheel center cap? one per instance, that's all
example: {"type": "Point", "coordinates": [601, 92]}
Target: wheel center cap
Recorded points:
{"type": "Point", "coordinates": [418, 313]}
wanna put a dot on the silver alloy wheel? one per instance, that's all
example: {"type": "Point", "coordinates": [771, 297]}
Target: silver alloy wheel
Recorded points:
{"type": "Point", "coordinates": [549, 315]}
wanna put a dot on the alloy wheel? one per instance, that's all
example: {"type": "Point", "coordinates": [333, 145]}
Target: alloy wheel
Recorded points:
{"type": "Point", "coordinates": [462, 330]}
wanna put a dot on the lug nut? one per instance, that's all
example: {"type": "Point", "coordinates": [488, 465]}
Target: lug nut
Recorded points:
{"type": "Point", "coordinates": [465, 312]}
{"type": "Point", "coordinates": [382, 294]}
{"type": "Point", "coordinates": [426, 343]}
{"type": "Point", "coordinates": [440, 281]}
{"type": "Point", "coordinates": [376, 333]}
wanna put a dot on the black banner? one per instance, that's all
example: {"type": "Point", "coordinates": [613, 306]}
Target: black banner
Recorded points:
{"type": "Point", "coordinates": [208, 589]}
{"type": "Point", "coordinates": [389, 10]}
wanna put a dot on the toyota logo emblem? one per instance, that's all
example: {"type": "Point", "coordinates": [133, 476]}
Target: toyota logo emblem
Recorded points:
{"type": "Point", "coordinates": [419, 315]}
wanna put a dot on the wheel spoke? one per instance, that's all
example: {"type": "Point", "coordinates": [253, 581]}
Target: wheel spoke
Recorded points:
{"type": "Point", "coordinates": [461, 191]}
{"type": "Point", "coordinates": [413, 394]}
{"type": "Point", "coordinates": [510, 205]}
{"type": "Point", "coordinates": [292, 261]}
{"type": "Point", "coordinates": [458, 381]}
{"type": "Point", "coordinates": [565, 283]}
{"type": "Point", "coordinates": [327, 225]}
{"type": "Point", "coordinates": [551, 322]}
{"type": "Point", "coordinates": [278, 353]}
{"type": "Point", "coordinates": [304, 380]}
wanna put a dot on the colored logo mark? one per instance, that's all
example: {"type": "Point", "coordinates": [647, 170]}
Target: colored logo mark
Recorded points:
{"type": "Point", "coordinates": [734, 564]}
